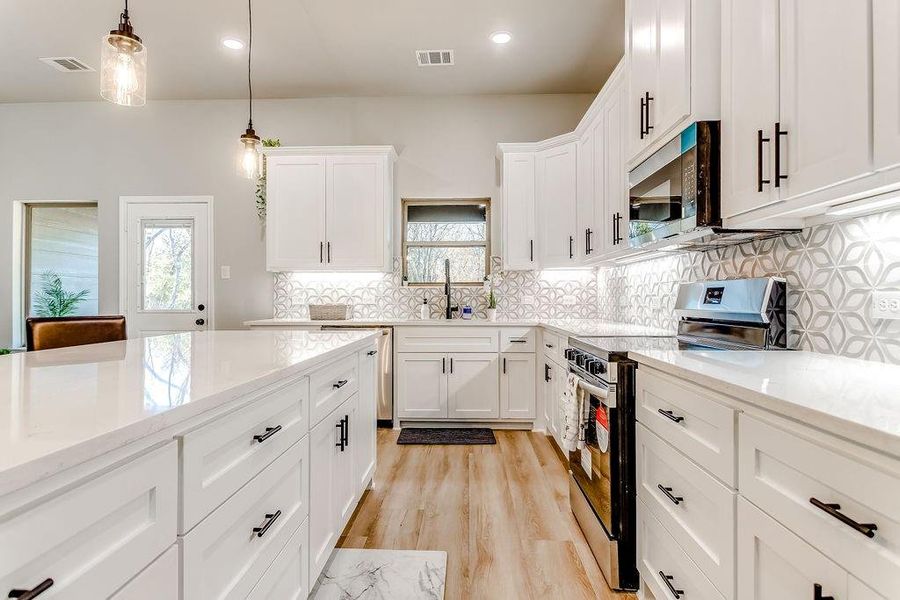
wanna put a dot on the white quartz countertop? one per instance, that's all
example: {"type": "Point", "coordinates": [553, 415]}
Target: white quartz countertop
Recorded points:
{"type": "Point", "coordinates": [573, 327]}
{"type": "Point", "coordinates": [855, 399]}
{"type": "Point", "coordinates": [59, 408]}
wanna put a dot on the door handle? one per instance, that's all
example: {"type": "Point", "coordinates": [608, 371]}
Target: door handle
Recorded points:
{"type": "Point", "coordinates": [760, 140]}
{"type": "Point", "coordinates": [346, 431]}
{"type": "Point", "coordinates": [444, 365]}
{"type": "Point", "coordinates": [532, 250]}
{"type": "Point", "coordinates": [451, 366]}
{"type": "Point", "coordinates": [676, 500]}
{"type": "Point", "coordinates": [834, 510]}
{"type": "Point", "coordinates": [340, 444]}
{"type": "Point", "coordinates": [328, 245]}
{"type": "Point", "coordinates": [33, 592]}
{"type": "Point", "coordinates": [371, 352]}
{"type": "Point", "coordinates": [270, 431]}
{"type": "Point", "coordinates": [200, 322]}
{"type": "Point", "coordinates": [270, 519]}
{"type": "Point", "coordinates": [321, 252]}
{"type": "Point", "coordinates": [670, 415]}
{"type": "Point", "coordinates": [778, 133]}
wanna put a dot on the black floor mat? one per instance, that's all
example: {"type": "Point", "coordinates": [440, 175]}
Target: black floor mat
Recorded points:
{"type": "Point", "coordinates": [446, 436]}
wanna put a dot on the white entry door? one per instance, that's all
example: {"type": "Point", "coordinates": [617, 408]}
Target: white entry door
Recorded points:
{"type": "Point", "coordinates": [166, 267]}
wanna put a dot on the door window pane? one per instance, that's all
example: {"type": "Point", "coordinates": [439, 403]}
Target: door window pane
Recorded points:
{"type": "Point", "coordinates": [167, 270]}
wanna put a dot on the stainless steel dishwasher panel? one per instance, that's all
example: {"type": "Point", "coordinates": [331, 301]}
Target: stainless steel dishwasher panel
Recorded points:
{"type": "Point", "coordinates": [385, 382]}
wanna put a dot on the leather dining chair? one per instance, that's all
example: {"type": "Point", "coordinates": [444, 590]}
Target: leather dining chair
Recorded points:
{"type": "Point", "coordinates": [44, 333]}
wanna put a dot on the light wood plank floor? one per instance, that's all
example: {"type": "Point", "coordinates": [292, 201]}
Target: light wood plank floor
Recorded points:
{"type": "Point", "coordinates": [500, 512]}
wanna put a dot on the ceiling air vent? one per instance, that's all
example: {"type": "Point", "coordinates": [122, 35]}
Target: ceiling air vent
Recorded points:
{"type": "Point", "coordinates": [434, 58]}
{"type": "Point", "coordinates": [66, 64]}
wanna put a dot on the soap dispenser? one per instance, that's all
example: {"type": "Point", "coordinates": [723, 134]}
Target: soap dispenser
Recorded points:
{"type": "Point", "coordinates": [424, 310]}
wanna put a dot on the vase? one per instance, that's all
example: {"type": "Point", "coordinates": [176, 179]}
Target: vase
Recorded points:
{"type": "Point", "coordinates": [492, 314]}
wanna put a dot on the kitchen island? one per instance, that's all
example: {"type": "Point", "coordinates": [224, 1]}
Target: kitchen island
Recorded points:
{"type": "Point", "coordinates": [234, 458]}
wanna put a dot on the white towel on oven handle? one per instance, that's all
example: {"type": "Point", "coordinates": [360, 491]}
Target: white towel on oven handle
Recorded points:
{"type": "Point", "coordinates": [574, 410]}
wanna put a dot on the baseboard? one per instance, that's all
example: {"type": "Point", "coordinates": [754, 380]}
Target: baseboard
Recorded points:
{"type": "Point", "coordinates": [513, 425]}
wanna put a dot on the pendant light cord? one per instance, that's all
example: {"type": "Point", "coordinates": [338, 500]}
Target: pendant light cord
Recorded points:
{"type": "Point", "coordinates": [249, 60]}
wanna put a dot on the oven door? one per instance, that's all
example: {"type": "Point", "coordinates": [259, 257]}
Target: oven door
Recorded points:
{"type": "Point", "coordinates": [592, 466]}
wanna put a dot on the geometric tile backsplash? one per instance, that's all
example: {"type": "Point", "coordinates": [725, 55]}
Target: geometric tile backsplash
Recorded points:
{"type": "Point", "coordinates": [831, 271]}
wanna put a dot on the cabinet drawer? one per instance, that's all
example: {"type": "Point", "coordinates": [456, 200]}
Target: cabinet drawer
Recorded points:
{"type": "Point", "coordinates": [219, 458]}
{"type": "Point", "coordinates": [332, 385]}
{"type": "Point", "coordinates": [555, 348]}
{"type": "Point", "coordinates": [157, 582]}
{"type": "Point", "coordinates": [93, 538]}
{"type": "Point", "coordinates": [224, 556]}
{"type": "Point", "coordinates": [662, 563]}
{"type": "Point", "coordinates": [784, 474]}
{"type": "Point", "coordinates": [689, 418]}
{"type": "Point", "coordinates": [517, 339]}
{"type": "Point", "coordinates": [461, 338]}
{"type": "Point", "coordinates": [695, 508]}
{"type": "Point", "coordinates": [288, 576]}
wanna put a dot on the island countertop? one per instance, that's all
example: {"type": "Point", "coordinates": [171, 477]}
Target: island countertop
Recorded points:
{"type": "Point", "coordinates": [59, 408]}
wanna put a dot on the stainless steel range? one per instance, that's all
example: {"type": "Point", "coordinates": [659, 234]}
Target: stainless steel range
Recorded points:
{"type": "Point", "coordinates": [740, 314]}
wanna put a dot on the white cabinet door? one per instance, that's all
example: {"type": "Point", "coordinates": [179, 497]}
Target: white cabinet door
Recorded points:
{"type": "Point", "coordinates": [473, 390]}
{"type": "Point", "coordinates": [158, 581]}
{"type": "Point", "coordinates": [886, 45]}
{"type": "Point", "coordinates": [355, 213]}
{"type": "Point", "coordinates": [421, 385]}
{"type": "Point", "coordinates": [825, 97]}
{"type": "Point", "coordinates": [775, 564]}
{"type": "Point", "coordinates": [615, 215]}
{"type": "Point", "coordinates": [557, 191]}
{"type": "Point", "coordinates": [749, 103]}
{"type": "Point", "coordinates": [324, 463]}
{"type": "Point", "coordinates": [672, 101]}
{"type": "Point", "coordinates": [288, 576]}
{"type": "Point", "coordinates": [643, 52]}
{"type": "Point", "coordinates": [601, 228]}
{"type": "Point", "coordinates": [547, 395]}
{"type": "Point", "coordinates": [295, 212]}
{"type": "Point", "coordinates": [346, 490]}
{"type": "Point", "coordinates": [586, 191]}
{"type": "Point", "coordinates": [554, 380]}
{"type": "Point", "coordinates": [364, 433]}
{"type": "Point", "coordinates": [518, 224]}
{"type": "Point", "coordinates": [517, 393]}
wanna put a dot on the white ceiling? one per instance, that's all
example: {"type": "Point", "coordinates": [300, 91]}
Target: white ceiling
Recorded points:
{"type": "Point", "coordinates": [308, 48]}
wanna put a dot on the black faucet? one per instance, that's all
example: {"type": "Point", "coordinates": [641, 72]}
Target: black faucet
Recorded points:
{"type": "Point", "coordinates": [450, 307]}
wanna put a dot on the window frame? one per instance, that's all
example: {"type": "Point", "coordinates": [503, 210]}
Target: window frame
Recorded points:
{"type": "Point", "coordinates": [406, 245]}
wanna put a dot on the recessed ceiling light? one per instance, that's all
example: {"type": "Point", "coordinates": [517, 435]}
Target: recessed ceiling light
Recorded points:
{"type": "Point", "coordinates": [501, 37]}
{"type": "Point", "coordinates": [233, 43]}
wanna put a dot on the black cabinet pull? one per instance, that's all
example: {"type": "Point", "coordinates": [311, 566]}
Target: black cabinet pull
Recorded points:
{"type": "Point", "coordinates": [546, 372]}
{"type": "Point", "coordinates": [443, 365]}
{"type": "Point", "coordinates": [667, 579]}
{"type": "Point", "coordinates": [817, 593]}
{"type": "Point", "coordinates": [270, 431]}
{"type": "Point", "coordinates": [371, 352]}
{"type": "Point", "coordinates": [32, 593]}
{"type": "Point", "coordinates": [670, 415]}
{"type": "Point", "coordinates": [571, 247]}
{"type": "Point", "coordinates": [328, 247]}
{"type": "Point", "coordinates": [619, 238]}
{"type": "Point", "coordinates": [270, 519]}
{"type": "Point", "coordinates": [676, 500]}
{"type": "Point", "coordinates": [643, 133]}
{"type": "Point", "coordinates": [342, 436]}
{"type": "Point", "coordinates": [760, 140]}
{"type": "Point", "coordinates": [321, 252]}
{"type": "Point", "coordinates": [778, 133]}
{"type": "Point", "coordinates": [341, 383]}
{"type": "Point", "coordinates": [532, 250]}
{"type": "Point", "coordinates": [549, 346]}
{"type": "Point", "coordinates": [504, 366]}
{"type": "Point", "coordinates": [834, 510]}
{"type": "Point", "coordinates": [451, 366]}
{"type": "Point", "coordinates": [649, 98]}
{"type": "Point", "coordinates": [518, 341]}
{"type": "Point", "coordinates": [346, 431]}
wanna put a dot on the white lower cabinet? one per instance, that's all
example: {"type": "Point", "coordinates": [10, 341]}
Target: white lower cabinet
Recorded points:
{"type": "Point", "coordinates": [87, 542]}
{"type": "Point", "coordinates": [288, 576]}
{"type": "Point", "coordinates": [517, 389]}
{"type": "Point", "coordinates": [227, 553]}
{"type": "Point", "coordinates": [159, 581]}
{"type": "Point", "coordinates": [421, 385]}
{"type": "Point", "coordinates": [473, 386]}
{"type": "Point", "coordinates": [365, 440]}
{"type": "Point", "coordinates": [554, 380]}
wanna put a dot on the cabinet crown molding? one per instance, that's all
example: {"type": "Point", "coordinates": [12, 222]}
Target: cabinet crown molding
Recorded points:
{"type": "Point", "coordinates": [389, 151]}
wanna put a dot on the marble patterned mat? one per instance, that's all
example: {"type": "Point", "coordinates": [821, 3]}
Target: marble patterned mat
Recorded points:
{"type": "Point", "coordinates": [382, 574]}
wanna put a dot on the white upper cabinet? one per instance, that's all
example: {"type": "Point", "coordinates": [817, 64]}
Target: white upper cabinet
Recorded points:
{"type": "Point", "coordinates": [518, 211]}
{"type": "Point", "coordinates": [587, 191]}
{"type": "Point", "coordinates": [887, 83]}
{"type": "Point", "coordinates": [673, 53]}
{"type": "Point", "coordinates": [613, 220]}
{"type": "Point", "coordinates": [329, 209]}
{"type": "Point", "coordinates": [557, 170]}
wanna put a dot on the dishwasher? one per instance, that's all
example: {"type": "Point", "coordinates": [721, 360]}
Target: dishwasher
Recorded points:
{"type": "Point", "coordinates": [385, 370]}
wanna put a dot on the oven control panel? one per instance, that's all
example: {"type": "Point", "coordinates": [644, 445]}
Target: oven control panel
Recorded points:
{"type": "Point", "coordinates": [588, 362]}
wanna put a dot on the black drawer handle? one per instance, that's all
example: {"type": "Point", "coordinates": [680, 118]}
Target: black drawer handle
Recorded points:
{"type": "Point", "coordinates": [270, 431]}
{"type": "Point", "coordinates": [340, 384]}
{"type": "Point", "coordinates": [270, 519]}
{"type": "Point", "coordinates": [549, 346]}
{"type": "Point", "coordinates": [817, 593]}
{"type": "Point", "coordinates": [670, 415]}
{"type": "Point", "coordinates": [676, 500]}
{"type": "Point", "coordinates": [518, 341]}
{"type": "Point", "coordinates": [867, 529]}
{"type": "Point", "coordinates": [546, 372]}
{"type": "Point", "coordinates": [32, 593]}
{"type": "Point", "coordinates": [667, 579]}
{"type": "Point", "coordinates": [372, 352]}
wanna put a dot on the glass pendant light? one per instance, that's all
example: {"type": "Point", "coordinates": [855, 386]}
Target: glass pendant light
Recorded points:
{"type": "Point", "coordinates": [123, 65]}
{"type": "Point", "coordinates": [249, 161]}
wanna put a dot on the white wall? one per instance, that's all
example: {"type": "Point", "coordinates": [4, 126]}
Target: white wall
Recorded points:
{"type": "Point", "coordinates": [97, 152]}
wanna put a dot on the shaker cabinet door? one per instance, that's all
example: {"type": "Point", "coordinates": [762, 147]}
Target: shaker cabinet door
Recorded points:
{"type": "Point", "coordinates": [557, 192]}
{"type": "Point", "coordinates": [295, 213]}
{"type": "Point", "coordinates": [518, 227]}
{"type": "Point", "coordinates": [355, 212]}
{"type": "Point", "coordinates": [473, 389]}
{"type": "Point", "coordinates": [886, 71]}
{"type": "Point", "coordinates": [421, 385]}
{"type": "Point", "coordinates": [517, 388]}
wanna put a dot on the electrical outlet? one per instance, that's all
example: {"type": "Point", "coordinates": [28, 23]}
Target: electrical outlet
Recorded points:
{"type": "Point", "coordinates": [886, 305]}
{"type": "Point", "coordinates": [225, 272]}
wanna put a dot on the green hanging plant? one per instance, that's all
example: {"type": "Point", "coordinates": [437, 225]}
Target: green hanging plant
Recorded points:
{"type": "Point", "coordinates": [261, 182]}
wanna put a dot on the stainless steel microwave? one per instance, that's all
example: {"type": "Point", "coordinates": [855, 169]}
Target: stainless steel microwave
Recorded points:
{"type": "Point", "coordinates": [677, 189]}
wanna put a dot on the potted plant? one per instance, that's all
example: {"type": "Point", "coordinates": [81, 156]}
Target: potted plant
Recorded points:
{"type": "Point", "coordinates": [53, 300]}
{"type": "Point", "coordinates": [491, 299]}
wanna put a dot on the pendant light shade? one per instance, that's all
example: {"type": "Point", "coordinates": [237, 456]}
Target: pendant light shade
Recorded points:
{"type": "Point", "coordinates": [123, 65]}
{"type": "Point", "coordinates": [248, 162]}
